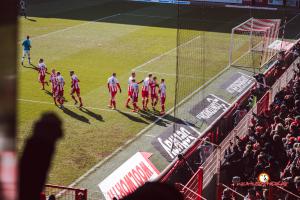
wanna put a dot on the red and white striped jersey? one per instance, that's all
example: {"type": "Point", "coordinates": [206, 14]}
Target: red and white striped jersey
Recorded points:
{"type": "Point", "coordinates": [60, 83]}
{"type": "Point", "coordinates": [146, 84]}
{"type": "Point", "coordinates": [113, 84]}
{"type": "Point", "coordinates": [129, 83]}
{"type": "Point", "coordinates": [42, 69]}
{"type": "Point", "coordinates": [162, 89]}
{"type": "Point", "coordinates": [75, 82]}
{"type": "Point", "coordinates": [153, 87]}
{"type": "Point", "coordinates": [53, 80]}
{"type": "Point", "coordinates": [135, 89]}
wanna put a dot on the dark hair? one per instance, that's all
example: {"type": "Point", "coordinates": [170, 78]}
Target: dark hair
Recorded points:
{"type": "Point", "coordinates": [27, 37]}
{"type": "Point", "coordinates": [51, 197]}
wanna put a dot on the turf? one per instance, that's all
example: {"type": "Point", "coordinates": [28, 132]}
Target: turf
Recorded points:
{"type": "Point", "coordinates": [67, 39]}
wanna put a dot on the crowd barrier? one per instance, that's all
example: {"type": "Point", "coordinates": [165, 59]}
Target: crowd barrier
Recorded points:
{"type": "Point", "coordinates": [63, 193]}
{"type": "Point", "coordinates": [193, 189]}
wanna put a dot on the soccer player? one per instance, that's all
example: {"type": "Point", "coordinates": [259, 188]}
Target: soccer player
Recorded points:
{"type": "Point", "coordinates": [75, 88]}
{"type": "Point", "coordinates": [113, 86]}
{"type": "Point", "coordinates": [153, 92]}
{"type": "Point", "coordinates": [162, 92]}
{"type": "Point", "coordinates": [145, 91]}
{"type": "Point", "coordinates": [42, 69]}
{"type": "Point", "coordinates": [134, 95]}
{"type": "Point", "coordinates": [23, 8]}
{"type": "Point", "coordinates": [60, 89]}
{"type": "Point", "coordinates": [129, 88]}
{"type": "Point", "coordinates": [53, 81]}
{"type": "Point", "coordinates": [26, 49]}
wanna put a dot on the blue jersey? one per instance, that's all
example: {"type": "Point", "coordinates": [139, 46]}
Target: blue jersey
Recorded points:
{"type": "Point", "coordinates": [26, 44]}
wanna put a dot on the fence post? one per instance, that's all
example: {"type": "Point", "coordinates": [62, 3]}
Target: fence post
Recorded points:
{"type": "Point", "coordinates": [200, 182]}
{"type": "Point", "coordinates": [218, 169]}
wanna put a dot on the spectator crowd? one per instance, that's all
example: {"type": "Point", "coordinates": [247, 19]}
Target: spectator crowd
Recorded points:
{"type": "Point", "coordinates": [271, 146]}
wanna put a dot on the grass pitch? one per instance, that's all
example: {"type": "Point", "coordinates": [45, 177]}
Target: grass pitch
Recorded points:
{"type": "Point", "coordinates": [95, 39]}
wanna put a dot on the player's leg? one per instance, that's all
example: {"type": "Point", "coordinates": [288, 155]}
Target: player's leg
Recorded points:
{"type": "Point", "coordinates": [42, 81]}
{"type": "Point", "coordinates": [147, 101]}
{"type": "Point", "coordinates": [128, 99]}
{"type": "Point", "coordinates": [113, 100]}
{"type": "Point", "coordinates": [163, 99]}
{"type": "Point", "coordinates": [54, 94]}
{"type": "Point", "coordinates": [73, 97]}
{"type": "Point", "coordinates": [28, 54]}
{"type": "Point", "coordinates": [79, 97]}
{"type": "Point", "coordinates": [134, 103]}
{"type": "Point", "coordinates": [23, 57]}
{"type": "Point", "coordinates": [110, 99]}
{"type": "Point", "coordinates": [143, 99]}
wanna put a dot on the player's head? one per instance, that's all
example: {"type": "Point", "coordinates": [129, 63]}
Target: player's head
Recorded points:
{"type": "Point", "coordinates": [114, 74]}
{"type": "Point", "coordinates": [53, 71]}
{"type": "Point", "coordinates": [133, 73]}
{"type": "Point", "coordinates": [27, 37]}
{"type": "Point", "coordinates": [149, 75]}
{"type": "Point", "coordinates": [71, 73]}
{"type": "Point", "coordinates": [41, 60]}
{"type": "Point", "coordinates": [133, 80]}
{"type": "Point", "coordinates": [57, 73]}
{"type": "Point", "coordinates": [162, 80]}
{"type": "Point", "coordinates": [154, 78]}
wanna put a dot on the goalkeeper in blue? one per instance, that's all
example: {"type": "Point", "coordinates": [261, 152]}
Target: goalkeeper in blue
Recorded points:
{"type": "Point", "coordinates": [26, 49]}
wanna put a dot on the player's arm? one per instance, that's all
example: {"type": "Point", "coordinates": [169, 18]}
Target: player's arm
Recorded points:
{"type": "Point", "coordinates": [108, 86]}
{"type": "Point", "coordinates": [118, 84]}
{"type": "Point", "coordinates": [140, 82]}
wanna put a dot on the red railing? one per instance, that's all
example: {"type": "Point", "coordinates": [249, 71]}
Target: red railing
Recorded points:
{"type": "Point", "coordinates": [64, 193]}
{"type": "Point", "coordinates": [193, 189]}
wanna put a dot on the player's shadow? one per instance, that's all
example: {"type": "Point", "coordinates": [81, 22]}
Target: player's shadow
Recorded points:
{"type": "Point", "coordinates": [75, 115]}
{"type": "Point", "coordinates": [92, 114]}
{"type": "Point", "coordinates": [48, 93]}
{"type": "Point", "coordinates": [31, 66]}
{"type": "Point", "coordinates": [132, 117]}
{"type": "Point", "coordinates": [31, 19]}
{"type": "Point", "coordinates": [153, 118]}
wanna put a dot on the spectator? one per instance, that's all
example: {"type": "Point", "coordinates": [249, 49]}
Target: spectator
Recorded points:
{"type": "Point", "coordinates": [37, 156]}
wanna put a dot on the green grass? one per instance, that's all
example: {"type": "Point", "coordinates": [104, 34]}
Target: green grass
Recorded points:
{"type": "Point", "coordinates": [94, 51]}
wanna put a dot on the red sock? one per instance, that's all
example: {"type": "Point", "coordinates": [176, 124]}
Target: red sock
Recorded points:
{"type": "Point", "coordinates": [80, 100]}
{"type": "Point", "coordinates": [114, 104]}
{"type": "Point", "coordinates": [147, 101]}
{"type": "Point", "coordinates": [128, 100]}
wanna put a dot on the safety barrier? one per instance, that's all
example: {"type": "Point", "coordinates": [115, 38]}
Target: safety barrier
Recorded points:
{"type": "Point", "coordinates": [64, 193]}
{"type": "Point", "coordinates": [193, 189]}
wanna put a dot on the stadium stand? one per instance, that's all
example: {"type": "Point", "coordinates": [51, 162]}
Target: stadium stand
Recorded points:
{"type": "Point", "coordinates": [277, 77]}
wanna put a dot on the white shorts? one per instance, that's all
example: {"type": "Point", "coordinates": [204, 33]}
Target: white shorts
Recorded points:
{"type": "Point", "coordinates": [26, 52]}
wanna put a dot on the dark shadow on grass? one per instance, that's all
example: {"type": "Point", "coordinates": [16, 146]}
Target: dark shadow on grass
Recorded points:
{"type": "Point", "coordinates": [30, 19]}
{"type": "Point", "coordinates": [75, 115]}
{"type": "Point", "coordinates": [32, 66]}
{"type": "Point", "coordinates": [132, 117]}
{"type": "Point", "coordinates": [92, 114]}
{"type": "Point", "coordinates": [48, 93]}
{"type": "Point", "coordinates": [153, 118]}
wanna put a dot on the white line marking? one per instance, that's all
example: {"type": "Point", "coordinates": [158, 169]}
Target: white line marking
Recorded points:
{"type": "Point", "coordinates": [71, 27]}
{"type": "Point", "coordinates": [168, 74]}
{"type": "Point", "coordinates": [150, 16]}
{"type": "Point", "coordinates": [69, 105]}
{"type": "Point", "coordinates": [167, 52]}
{"type": "Point", "coordinates": [147, 135]}
{"type": "Point", "coordinates": [252, 7]}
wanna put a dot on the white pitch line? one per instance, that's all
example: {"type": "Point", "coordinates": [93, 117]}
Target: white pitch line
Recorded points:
{"type": "Point", "coordinates": [166, 53]}
{"type": "Point", "coordinates": [69, 105]}
{"type": "Point", "coordinates": [71, 27]}
{"type": "Point", "coordinates": [169, 74]}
